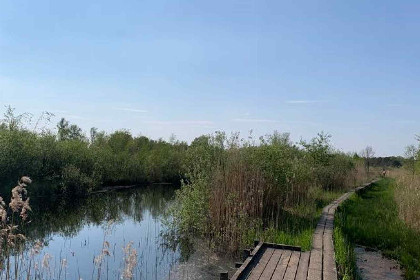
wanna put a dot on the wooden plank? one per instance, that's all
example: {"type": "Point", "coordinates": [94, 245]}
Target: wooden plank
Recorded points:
{"type": "Point", "coordinates": [314, 274]}
{"type": "Point", "coordinates": [272, 264]}
{"type": "Point", "coordinates": [328, 247]}
{"type": "Point", "coordinates": [282, 266]}
{"type": "Point", "coordinates": [249, 262]}
{"type": "Point", "coordinates": [302, 270]}
{"type": "Point", "coordinates": [262, 263]}
{"type": "Point", "coordinates": [292, 266]}
{"type": "Point", "coordinates": [329, 269]}
{"type": "Point", "coordinates": [315, 265]}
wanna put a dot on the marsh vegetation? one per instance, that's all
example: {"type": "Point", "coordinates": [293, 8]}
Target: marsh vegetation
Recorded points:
{"type": "Point", "coordinates": [230, 191]}
{"type": "Point", "coordinates": [236, 191]}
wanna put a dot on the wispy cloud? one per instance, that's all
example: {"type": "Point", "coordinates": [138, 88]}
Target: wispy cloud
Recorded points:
{"type": "Point", "coordinates": [131, 110]}
{"type": "Point", "coordinates": [244, 120]}
{"type": "Point", "coordinates": [395, 105]}
{"type": "Point", "coordinates": [255, 120]}
{"type": "Point", "coordinates": [305, 101]}
{"type": "Point", "coordinates": [194, 123]}
{"type": "Point", "coordinates": [75, 117]}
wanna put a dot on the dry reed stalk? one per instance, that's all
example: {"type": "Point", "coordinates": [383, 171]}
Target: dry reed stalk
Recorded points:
{"type": "Point", "coordinates": [98, 260]}
{"type": "Point", "coordinates": [130, 260]}
{"type": "Point", "coordinates": [407, 196]}
{"type": "Point", "coordinates": [235, 199]}
{"type": "Point", "coordinates": [9, 236]}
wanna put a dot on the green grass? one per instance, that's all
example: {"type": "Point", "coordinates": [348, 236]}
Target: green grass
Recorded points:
{"type": "Point", "coordinates": [344, 252]}
{"type": "Point", "coordinates": [370, 218]}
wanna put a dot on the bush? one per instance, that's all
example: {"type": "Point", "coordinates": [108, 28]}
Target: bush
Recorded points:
{"type": "Point", "coordinates": [75, 182]}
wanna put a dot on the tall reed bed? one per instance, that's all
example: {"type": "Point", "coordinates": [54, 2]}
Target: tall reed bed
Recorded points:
{"type": "Point", "coordinates": [237, 190]}
{"type": "Point", "coordinates": [407, 196]}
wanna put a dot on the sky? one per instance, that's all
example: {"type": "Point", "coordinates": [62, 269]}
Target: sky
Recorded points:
{"type": "Point", "coordinates": [348, 68]}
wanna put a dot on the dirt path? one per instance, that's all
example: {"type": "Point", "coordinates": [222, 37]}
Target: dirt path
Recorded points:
{"type": "Point", "coordinates": [371, 265]}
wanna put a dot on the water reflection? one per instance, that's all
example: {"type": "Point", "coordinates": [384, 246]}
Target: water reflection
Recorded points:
{"type": "Point", "coordinates": [75, 230]}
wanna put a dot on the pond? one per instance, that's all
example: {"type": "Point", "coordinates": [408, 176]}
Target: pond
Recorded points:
{"type": "Point", "coordinates": [74, 233]}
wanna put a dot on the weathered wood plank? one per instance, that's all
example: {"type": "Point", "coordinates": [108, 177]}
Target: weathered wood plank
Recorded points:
{"type": "Point", "coordinates": [282, 266]}
{"type": "Point", "coordinates": [329, 269]}
{"type": "Point", "coordinates": [262, 263]}
{"type": "Point", "coordinates": [315, 265]}
{"type": "Point", "coordinates": [272, 264]}
{"type": "Point", "coordinates": [302, 270]}
{"type": "Point", "coordinates": [292, 266]}
{"type": "Point", "coordinates": [314, 273]}
{"type": "Point", "coordinates": [247, 265]}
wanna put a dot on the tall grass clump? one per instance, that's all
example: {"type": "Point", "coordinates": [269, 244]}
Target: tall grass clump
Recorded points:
{"type": "Point", "coordinates": [236, 190]}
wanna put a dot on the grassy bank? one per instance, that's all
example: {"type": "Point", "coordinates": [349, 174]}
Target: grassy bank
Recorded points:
{"type": "Point", "coordinates": [371, 219]}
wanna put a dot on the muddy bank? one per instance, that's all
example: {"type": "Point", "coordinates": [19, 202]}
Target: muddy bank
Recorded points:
{"type": "Point", "coordinates": [372, 265]}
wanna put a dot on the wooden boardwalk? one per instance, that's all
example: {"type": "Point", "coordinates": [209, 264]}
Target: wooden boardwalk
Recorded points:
{"type": "Point", "coordinates": [282, 262]}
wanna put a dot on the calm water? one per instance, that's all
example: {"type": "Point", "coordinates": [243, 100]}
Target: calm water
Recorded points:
{"type": "Point", "coordinates": [75, 230]}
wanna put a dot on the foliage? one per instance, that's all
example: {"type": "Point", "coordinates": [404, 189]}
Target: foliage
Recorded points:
{"type": "Point", "coordinates": [77, 165]}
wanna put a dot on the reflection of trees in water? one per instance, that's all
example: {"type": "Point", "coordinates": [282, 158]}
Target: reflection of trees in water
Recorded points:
{"type": "Point", "coordinates": [67, 216]}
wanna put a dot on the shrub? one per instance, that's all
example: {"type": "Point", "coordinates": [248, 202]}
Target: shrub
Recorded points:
{"type": "Point", "coordinates": [75, 182]}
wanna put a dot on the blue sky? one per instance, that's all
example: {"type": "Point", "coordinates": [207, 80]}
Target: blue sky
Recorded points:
{"type": "Point", "coordinates": [349, 68]}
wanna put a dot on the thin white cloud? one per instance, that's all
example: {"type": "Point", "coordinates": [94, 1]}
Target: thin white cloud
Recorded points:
{"type": "Point", "coordinates": [198, 123]}
{"type": "Point", "coordinates": [131, 110]}
{"type": "Point", "coordinates": [76, 117]}
{"type": "Point", "coordinates": [255, 120]}
{"type": "Point", "coordinates": [304, 101]}
{"type": "Point", "coordinates": [272, 121]}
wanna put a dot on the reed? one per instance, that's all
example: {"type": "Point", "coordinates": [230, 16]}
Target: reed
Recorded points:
{"type": "Point", "coordinates": [13, 215]}
{"type": "Point", "coordinates": [407, 196]}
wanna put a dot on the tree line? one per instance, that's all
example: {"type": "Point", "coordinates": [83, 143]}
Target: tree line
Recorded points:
{"type": "Point", "coordinates": [67, 161]}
